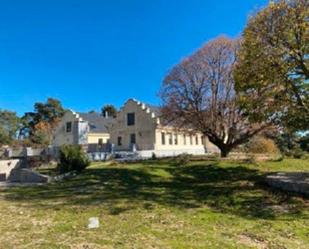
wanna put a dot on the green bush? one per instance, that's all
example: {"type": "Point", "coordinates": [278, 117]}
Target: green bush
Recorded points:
{"type": "Point", "coordinates": [72, 158]}
{"type": "Point", "coordinates": [298, 153]}
{"type": "Point", "coordinates": [288, 153]}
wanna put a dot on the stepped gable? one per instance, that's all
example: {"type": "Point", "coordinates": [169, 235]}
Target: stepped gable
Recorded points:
{"type": "Point", "coordinates": [152, 110]}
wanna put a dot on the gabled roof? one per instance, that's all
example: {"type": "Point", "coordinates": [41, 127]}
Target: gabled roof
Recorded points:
{"type": "Point", "coordinates": [97, 123]}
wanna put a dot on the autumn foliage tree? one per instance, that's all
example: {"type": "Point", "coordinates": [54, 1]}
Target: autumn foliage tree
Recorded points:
{"type": "Point", "coordinates": [40, 124]}
{"type": "Point", "coordinates": [199, 93]}
{"type": "Point", "coordinates": [272, 73]}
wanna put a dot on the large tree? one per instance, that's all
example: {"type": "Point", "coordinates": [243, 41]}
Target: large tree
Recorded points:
{"type": "Point", "coordinates": [199, 94]}
{"type": "Point", "coordinates": [272, 72]}
{"type": "Point", "coordinates": [40, 124]}
{"type": "Point", "coordinates": [9, 125]}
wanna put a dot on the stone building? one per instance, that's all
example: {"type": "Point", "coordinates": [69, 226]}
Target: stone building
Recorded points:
{"type": "Point", "coordinates": [88, 129]}
{"type": "Point", "coordinates": [138, 126]}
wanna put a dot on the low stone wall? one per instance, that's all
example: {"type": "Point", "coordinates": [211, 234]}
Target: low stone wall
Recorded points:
{"type": "Point", "coordinates": [27, 176]}
{"type": "Point", "coordinates": [13, 171]}
{"type": "Point", "coordinates": [169, 153]}
{"type": "Point", "coordinates": [6, 166]}
{"type": "Point", "coordinates": [257, 157]}
{"type": "Point", "coordinates": [297, 182]}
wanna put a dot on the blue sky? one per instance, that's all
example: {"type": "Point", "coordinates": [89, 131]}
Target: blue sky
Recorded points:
{"type": "Point", "coordinates": [91, 52]}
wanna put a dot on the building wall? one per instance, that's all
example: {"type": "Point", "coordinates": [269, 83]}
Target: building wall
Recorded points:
{"type": "Point", "coordinates": [178, 140]}
{"type": "Point", "coordinates": [148, 134]}
{"type": "Point", "coordinates": [93, 138]}
{"type": "Point", "coordinates": [183, 145]}
{"type": "Point", "coordinates": [78, 133]}
{"type": "Point", "coordinates": [144, 127]}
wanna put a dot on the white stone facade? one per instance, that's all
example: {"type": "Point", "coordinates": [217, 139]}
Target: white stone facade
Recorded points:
{"type": "Point", "coordinates": [139, 124]}
{"type": "Point", "coordinates": [77, 134]}
{"type": "Point", "coordinates": [74, 129]}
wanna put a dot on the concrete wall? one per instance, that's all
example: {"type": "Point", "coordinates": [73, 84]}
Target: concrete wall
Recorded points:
{"type": "Point", "coordinates": [144, 128]}
{"type": "Point", "coordinates": [6, 166]}
{"type": "Point", "coordinates": [27, 176]}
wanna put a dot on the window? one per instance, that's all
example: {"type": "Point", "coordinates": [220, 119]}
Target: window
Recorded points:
{"type": "Point", "coordinates": [131, 118]}
{"type": "Point", "coordinates": [163, 138]}
{"type": "Point", "coordinates": [196, 140]}
{"type": "Point", "coordinates": [68, 127]}
{"type": "Point", "coordinates": [184, 139]}
{"type": "Point", "coordinates": [119, 141]}
{"type": "Point", "coordinates": [133, 138]}
{"type": "Point", "coordinates": [175, 139]}
{"type": "Point", "coordinates": [202, 139]}
{"type": "Point", "coordinates": [100, 141]}
{"type": "Point", "coordinates": [170, 138]}
{"type": "Point", "coordinates": [191, 140]}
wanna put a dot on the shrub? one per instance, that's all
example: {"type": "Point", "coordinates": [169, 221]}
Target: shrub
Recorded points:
{"type": "Point", "coordinates": [298, 153]}
{"type": "Point", "coordinates": [288, 153]}
{"type": "Point", "coordinates": [154, 156]}
{"type": "Point", "coordinates": [72, 158]}
{"type": "Point", "coordinates": [182, 159]}
{"type": "Point", "coordinates": [305, 156]}
{"type": "Point", "coordinates": [262, 145]}
{"type": "Point", "coordinates": [280, 158]}
{"type": "Point", "coordinates": [251, 159]}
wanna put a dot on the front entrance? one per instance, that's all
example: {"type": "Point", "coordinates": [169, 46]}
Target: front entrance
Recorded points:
{"type": "Point", "coordinates": [132, 138]}
{"type": "Point", "coordinates": [133, 142]}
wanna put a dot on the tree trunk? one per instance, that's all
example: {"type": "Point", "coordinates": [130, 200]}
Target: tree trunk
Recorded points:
{"type": "Point", "coordinates": [225, 151]}
{"type": "Point", "coordinates": [224, 148]}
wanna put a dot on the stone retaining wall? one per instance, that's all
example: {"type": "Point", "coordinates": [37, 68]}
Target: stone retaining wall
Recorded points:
{"type": "Point", "coordinates": [297, 182]}
{"type": "Point", "coordinates": [27, 176]}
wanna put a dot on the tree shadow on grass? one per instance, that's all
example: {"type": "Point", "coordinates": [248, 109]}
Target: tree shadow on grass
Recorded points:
{"type": "Point", "coordinates": [233, 190]}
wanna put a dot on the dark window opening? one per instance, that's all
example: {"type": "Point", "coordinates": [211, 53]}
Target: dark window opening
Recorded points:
{"type": "Point", "coordinates": [131, 118]}
{"type": "Point", "coordinates": [133, 138]}
{"type": "Point", "coordinates": [196, 140]}
{"type": "Point", "coordinates": [163, 138]}
{"type": "Point", "coordinates": [119, 141]}
{"type": "Point", "coordinates": [170, 138]}
{"type": "Point", "coordinates": [68, 127]}
{"type": "Point", "coordinates": [100, 141]}
{"type": "Point", "coordinates": [175, 139]}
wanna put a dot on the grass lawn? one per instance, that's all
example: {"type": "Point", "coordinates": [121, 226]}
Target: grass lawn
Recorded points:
{"type": "Point", "coordinates": [157, 204]}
